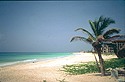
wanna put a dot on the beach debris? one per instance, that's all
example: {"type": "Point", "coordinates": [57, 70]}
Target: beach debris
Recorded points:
{"type": "Point", "coordinates": [120, 80]}
{"type": "Point", "coordinates": [115, 73]}
{"type": "Point", "coordinates": [63, 80]}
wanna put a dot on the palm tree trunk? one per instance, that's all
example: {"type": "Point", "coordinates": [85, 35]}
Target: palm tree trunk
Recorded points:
{"type": "Point", "coordinates": [97, 63]}
{"type": "Point", "coordinates": [101, 61]}
{"type": "Point", "coordinates": [97, 47]}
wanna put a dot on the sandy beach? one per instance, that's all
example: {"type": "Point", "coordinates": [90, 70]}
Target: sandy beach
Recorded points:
{"type": "Point", "coordinates": [49, 70]}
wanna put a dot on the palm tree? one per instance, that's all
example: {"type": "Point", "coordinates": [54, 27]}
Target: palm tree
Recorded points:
{"type": "Point", "coordinates": [98, 27]}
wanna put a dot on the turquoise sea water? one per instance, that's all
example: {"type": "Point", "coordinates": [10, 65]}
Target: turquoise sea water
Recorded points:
{"type": "Point", "coordinates": [9, 58]}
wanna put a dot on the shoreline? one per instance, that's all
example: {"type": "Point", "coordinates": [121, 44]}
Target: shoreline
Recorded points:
{"type": "Point", "coordinates": [49, 70]}
{"type": "Point", "coordinates": [67, 60]}
{"type": "Point", "coordinates": [31, 60]}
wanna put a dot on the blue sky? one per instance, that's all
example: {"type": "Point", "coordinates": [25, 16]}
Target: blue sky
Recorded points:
{"type": "Point", "coordinates": [48, 26]}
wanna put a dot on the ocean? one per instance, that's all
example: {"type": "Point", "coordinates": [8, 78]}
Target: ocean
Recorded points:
{"type": "Point", "coordinates": [10, 58]}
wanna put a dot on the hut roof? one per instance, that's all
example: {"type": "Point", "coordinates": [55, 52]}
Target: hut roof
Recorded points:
{"type": "Point", "coordinates": [118, 38]}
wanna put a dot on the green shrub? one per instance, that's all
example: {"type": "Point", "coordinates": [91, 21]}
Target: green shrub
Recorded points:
{"type": "Point", "coordinates": [91, 67]}
{"type": "Point", "coordinates": [115, 63]}
{"type": "Point", "coordinates": [81, 68]}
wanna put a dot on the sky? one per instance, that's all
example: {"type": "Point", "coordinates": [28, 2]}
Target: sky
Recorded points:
{"type": "Point", "coordinates": [48, 26]}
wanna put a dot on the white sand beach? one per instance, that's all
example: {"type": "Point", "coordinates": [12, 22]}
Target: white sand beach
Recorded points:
{"type": "Point", "coordinates": [49, 70]}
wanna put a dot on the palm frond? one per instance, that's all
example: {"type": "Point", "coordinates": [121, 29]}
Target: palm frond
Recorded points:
{"type": "Point", "coordinates": [93, 27]}
{"type": "Point", "coordinates": [110, 32]}
{"type": "Point", "coordinates": [81, 39]}
{"type": "Point", "coordinates": [96, 25]}
{"type": "Point", "coordinates": [89, 39]}
{"type": "Point", "coordinates": [100, 20]}
{"type": "Point", "coordinates": [85, 31]}
{"type": "Point", "coordinates": [104, 23]}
